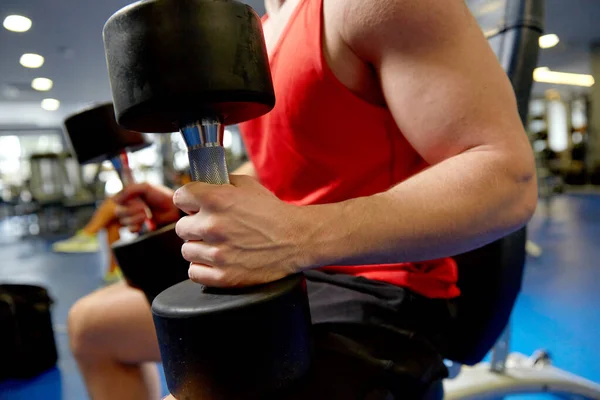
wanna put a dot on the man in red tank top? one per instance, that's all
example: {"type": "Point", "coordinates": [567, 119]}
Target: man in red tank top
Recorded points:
{"type": "Point", "coordinates": [395, 141]}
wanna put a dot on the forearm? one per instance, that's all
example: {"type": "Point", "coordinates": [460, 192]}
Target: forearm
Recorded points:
{"type": "Point", "coordinates": [453, 207]}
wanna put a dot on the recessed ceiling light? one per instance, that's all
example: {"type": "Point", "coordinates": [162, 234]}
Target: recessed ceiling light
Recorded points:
{"type": "Point", "coordinates": [42, 84]}
{"type": "Point", "coordinates": [50, 104]}
{"type": "Point", "coordinates": [30, 60]}
{"type": "Point", "coordinates": [548, 41]}
{"type": "Point", "coordinates": [17, 23]}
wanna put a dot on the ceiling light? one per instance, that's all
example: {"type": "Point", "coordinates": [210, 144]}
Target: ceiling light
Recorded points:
{"type": "Point", "coordinates": [50, 104]}
{"type": "Point", "coordinates": [545, 75]}
{"type": "Point", "coordinates": [17, 23]}
{"type": "Point", "coordinates": [30, 60]}
{"type": "Point", "coordinates": [42, 84]}
{"type": "Point", "coordinates": [548, 41]}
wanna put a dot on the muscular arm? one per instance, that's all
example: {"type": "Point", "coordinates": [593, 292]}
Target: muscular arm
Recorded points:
{"type": "Point", "coordinates": [455, 105]}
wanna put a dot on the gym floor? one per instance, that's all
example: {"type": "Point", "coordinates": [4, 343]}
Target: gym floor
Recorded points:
{"type": "Point", "coordinates": [557, 310]}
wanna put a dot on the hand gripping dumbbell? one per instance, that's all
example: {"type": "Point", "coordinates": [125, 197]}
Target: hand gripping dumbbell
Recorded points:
{"type": "Point", "coordinates": [95, 136]}
{"type": "Point", "coordinates": [196, 66]}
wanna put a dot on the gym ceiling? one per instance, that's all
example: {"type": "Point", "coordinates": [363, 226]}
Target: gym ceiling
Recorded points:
{"type": "Point", "coordinates": [67, 33]}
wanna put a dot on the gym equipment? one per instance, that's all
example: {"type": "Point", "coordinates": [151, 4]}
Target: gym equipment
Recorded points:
{"type": "Point", "coordinates": [57, 193]}
{"type": "Point", "coordinates": [513, 28]}
{"type": "Point", "coordinates": [195, 66]}
{"type": "Point", "coordinates": [48, 185]}
{"type": "Point", "coordinates": [95, 136]}
{"type": "Point", "coordinates": [27, 341]}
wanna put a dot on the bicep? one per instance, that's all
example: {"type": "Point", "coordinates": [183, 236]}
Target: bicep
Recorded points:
{"type": "Point", "coordinates": [440, 79]}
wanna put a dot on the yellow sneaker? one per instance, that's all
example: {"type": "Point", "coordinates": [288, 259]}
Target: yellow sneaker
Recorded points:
{"type": "Point", "coordinates": [113, 276]}
{"type": "Point", "coordinates": [80, 243]}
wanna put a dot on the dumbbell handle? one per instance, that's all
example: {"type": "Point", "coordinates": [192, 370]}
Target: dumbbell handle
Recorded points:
{"type": "Point", "coordinates": [207, 164]}
{"type": "Point", "coordinates": [204, 140]}
{"type": "Point", "coordinates": [121, 165]}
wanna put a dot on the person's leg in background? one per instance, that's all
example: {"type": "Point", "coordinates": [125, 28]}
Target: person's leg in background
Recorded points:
{"type": "Point", "coordinates": [105, 214]}
{"type": "Point", "coordinates": [112, 235]}
{"type": "Point", "coordinates": [85, 240]}
{"type": "Point", "coordinates": [113, 340]}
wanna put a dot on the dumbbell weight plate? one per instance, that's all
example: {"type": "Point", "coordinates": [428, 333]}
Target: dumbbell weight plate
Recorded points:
{"type": "Point", "coordinates": [173, 65]}
{"type": "Point", "coordinates": [95, 136]}
{"type": "Point", "coordinates": [152, 262]}
{"type": "Point", "coordinates": [250, 343]}
{"type": "Point", "coordinates": [173, 61]}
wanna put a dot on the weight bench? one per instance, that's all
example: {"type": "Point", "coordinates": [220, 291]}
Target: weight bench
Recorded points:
{"type": "Point", "coordinates": [490, 277]}
{"type": "Point", "coordinates": [47, 186]}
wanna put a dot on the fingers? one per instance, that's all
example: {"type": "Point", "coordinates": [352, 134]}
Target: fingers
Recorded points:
{"type": "Point", "coordinates": [198, 195]}
{"type": "Point", "coordinates": [200, 227]}
{"type": "Point", "coordinates": [230, 277]}
{"type": "Point", "coordinates": [131, 213]}
{"type": "Point", "coordinates": [208, 276]}
{"type": "Point", "coordinates": [129, 209]}
{"type": "Point", "coordinates": [136, 219]}
{"type": "Point", "coordinates": [135, 228]}
{"type": "Point", "coordinates": [130, 192]}
{"type": "Point", "coordinates": [207, 266]}
{"type": "Point", "coordinates": [202, 253]}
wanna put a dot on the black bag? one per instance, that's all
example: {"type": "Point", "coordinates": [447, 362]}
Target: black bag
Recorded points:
{"type": "Point", "coordinates": [27, 345]}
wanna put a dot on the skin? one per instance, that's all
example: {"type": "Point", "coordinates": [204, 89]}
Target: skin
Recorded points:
{"type": "Point", "coordinates": [112, 337]}
{"type": "Point", "coordinates": [428, 62]}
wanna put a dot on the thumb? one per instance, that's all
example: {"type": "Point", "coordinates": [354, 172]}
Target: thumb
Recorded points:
{"type": "Point", "coordinates": [130, 192]}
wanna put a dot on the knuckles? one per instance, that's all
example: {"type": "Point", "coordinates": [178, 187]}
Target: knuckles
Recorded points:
{"type": "Point", "coordinates": [214, 256]}
{"type": "Point", "coordinates": [200, 226]}
{"type": "Point", "coordinates": [187, 253]}
{"type": "Point", "coordinates": [213, 228]}
{"type": "Point", "coordinates": [220, 256]}
{"type": "Point", "coordinates": [201, 195]}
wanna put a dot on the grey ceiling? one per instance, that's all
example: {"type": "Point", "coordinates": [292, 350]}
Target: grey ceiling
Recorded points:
{"type": "Point", "coordinates": [68, 34]}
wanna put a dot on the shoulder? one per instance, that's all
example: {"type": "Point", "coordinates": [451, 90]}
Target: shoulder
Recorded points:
{"type": "Point", "coordinates": [369, 25]}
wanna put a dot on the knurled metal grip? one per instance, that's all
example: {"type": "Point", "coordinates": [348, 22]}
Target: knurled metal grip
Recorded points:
{"type": "Point", "coordinates": [207, 164]}
{"type": "Point", "coordinates": [204, 140]}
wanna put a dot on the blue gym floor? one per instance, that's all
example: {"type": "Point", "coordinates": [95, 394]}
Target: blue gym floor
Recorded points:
{"type": "Point", "coordinates": [559, 309]}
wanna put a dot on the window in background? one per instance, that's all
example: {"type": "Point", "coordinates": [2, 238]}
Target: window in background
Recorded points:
{"type": "Point", "coordinates": [44, 143]}
{"type": "Point", "coordinates": [16, 149]}
{"type": "Point", "coordinates": [181, 161]}
{"type": "Point", "coordinates": [146, 165]}
{"type": "Point", "coordinates": [108, 175]}
{"type": "Point", "coordinates": [38, 144]}
{"type": "Point", "coordinates": [558, 126]}
{"type": "Point", "coordinates": [579, 114]}
{"type": "Point", "coordinates": [10, 159]}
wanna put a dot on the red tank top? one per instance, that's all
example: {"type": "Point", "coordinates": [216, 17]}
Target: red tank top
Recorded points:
{"type": "Point", "coordinates": [323, 144]}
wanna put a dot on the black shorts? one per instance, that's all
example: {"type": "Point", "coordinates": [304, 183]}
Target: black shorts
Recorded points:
{"type": "Point", "coordinates": [373, 341]}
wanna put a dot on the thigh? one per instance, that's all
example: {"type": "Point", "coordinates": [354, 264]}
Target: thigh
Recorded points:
{"type": "Point", "coordinates": [117, 321]}
{"type": "Point", "coordinates": [372, 341]}
{"type": "Point", "coordinates": [350, 366]}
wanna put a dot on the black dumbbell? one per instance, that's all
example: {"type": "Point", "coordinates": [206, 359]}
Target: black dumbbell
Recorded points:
{"type": "Point", "coordinates": [94, 137]}
{"type": "Point", "coordinates": [196, 66]}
